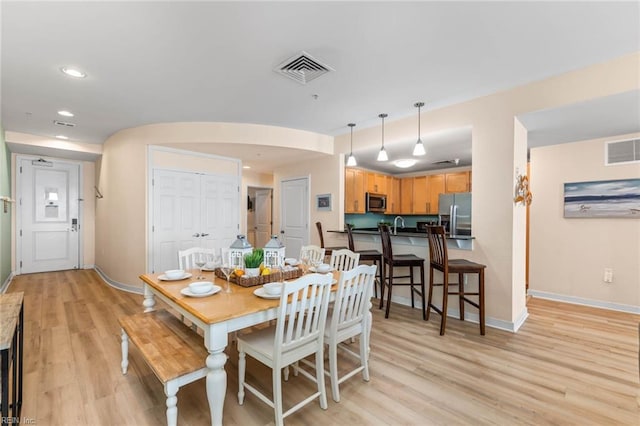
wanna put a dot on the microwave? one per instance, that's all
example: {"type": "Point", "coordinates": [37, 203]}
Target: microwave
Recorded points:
{"type": "Point", "coordinates": [376, 202]}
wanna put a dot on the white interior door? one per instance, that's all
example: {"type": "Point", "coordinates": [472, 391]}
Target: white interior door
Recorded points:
{"type": "Point", "coordinates": [263, 218]}
{"type": "Point", "coordinates": [191, 210]}
{"type": "Point", "coordinates": [294, 215]}
{"type": "Point", "coordinates": [176, 206]}
{"type": "Point", "coordinates": [49, 221]}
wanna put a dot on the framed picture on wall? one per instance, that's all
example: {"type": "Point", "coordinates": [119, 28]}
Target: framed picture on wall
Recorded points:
{"type": "Point", "coordinates": [323, 202]}
{"type": "Point", "coordinates": [603, 198]}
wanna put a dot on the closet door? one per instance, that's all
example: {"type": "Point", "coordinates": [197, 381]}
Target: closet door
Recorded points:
{"type": "Point", "coordinates": [191, 210]}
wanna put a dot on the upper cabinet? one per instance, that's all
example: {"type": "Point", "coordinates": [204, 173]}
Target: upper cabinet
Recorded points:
{"type": "Point", "coordinates": [406, 196]}
{"type": "Point", "coordinates": [376, 183]}
{"type": "Point", "coordinates": [393, 195]}
{"type": "Point", "coordinates": [457, 182]}
{"type": "Point", "coordinates": [354, 191]}
{"type": "Point", "coordinates": [435, 187]}
{"type": "Point", "coordinates": [420, 195]}
{"type": "Point", "coordinates": [409, 195]}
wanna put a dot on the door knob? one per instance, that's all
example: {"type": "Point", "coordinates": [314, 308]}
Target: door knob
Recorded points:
{"type": "Point", "coordinates": [196, 235]}
{"type": "Point", "coordinates": [203, 234]}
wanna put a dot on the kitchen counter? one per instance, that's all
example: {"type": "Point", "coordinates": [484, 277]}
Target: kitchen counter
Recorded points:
{"type": "Point", "coordinates": [412, 236]}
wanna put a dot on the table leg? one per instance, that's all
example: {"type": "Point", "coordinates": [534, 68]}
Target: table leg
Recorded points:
{"type": "Point", "coordinates": [216, 341]}
{"type": "Point", "coordinates": [149, 299]}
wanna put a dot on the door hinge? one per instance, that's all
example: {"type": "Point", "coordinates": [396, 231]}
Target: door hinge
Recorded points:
{"type": "Point", "coordinates": [21, 232]}
{"type": "Point", "coordinates": [21, 264]}
{"type": "Point", "coordinates": [20, 169]}
{"type": "Point", "coordinates": [153, 228]}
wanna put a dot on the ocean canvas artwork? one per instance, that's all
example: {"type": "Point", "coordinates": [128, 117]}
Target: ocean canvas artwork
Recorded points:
{"type": "Point", "coordinates": [607, 198]}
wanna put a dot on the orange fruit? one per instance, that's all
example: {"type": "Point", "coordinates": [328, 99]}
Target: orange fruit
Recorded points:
{"type": "Point", "coordinates": [239, 272]}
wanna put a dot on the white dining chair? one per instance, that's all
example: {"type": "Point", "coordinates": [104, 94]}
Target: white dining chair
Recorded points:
{"type": "Point", "coordinates": [186, 258]}
{"type": "Point", "coordinates": [314, 254]}
{"type": "Point", "coordinates": [351, 317]}
{"type": "Point", "coordinates": [344, 259]}
{"type": "Point", "coordinates": [298, 333]}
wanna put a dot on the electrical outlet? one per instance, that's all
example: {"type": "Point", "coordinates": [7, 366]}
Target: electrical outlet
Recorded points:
{"type": "Point", "coordinates": [608, 275]}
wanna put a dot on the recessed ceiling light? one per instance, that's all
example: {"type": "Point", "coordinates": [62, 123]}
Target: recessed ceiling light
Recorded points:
{"type": "Point", "coordinates": [62, 137]}
{"type": "Point", "coordinates": [72, 72]}
{"type": "Point", "coordinates": [246, 167]}
{"type": "Point", "coordinates": [65, 113]}
{"type": "Point", "coordinates": [405, 163]}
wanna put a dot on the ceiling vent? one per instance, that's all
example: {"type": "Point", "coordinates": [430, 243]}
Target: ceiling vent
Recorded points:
{"type": "Point", "coordinates": [455, 161]}
{"type": "Point", "coordinates": [622, 152]}
{"type": "Point", "coordinates": [303, 68]}
{"type": "Point", "coordinates": [63, 123]}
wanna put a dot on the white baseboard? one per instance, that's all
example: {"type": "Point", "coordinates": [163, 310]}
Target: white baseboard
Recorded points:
{"type": "Point", "coordinates": [6, 283]}
{"type": "Point", "coordinates": [454, 312]}
{"type": "Point", "coordinates": [585, 302]}
{"type": "Point", "coordinates": [116, 284]}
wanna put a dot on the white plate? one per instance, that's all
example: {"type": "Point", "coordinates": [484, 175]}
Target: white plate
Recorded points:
{"type": "Point", "coordinates": [313, 269]}
{"type": "Point", "coordinates": [163, 277]}
{"type": "Point", "coordinates": [291, 261]}
{"type": "Point", "coordinates": [209, 269]}
{"type": "Point", "coordinates": [188, 292]}
{"type": "Point", "coordinates": [260, 292]}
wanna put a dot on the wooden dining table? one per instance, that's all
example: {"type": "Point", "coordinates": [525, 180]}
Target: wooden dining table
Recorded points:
{"type": "Point", "coordinates": [217, 315]}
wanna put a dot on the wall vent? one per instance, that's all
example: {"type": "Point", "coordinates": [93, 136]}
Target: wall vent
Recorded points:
{"type": "Point", "coordinates": [303, 68]}
{"type": "Point", "coordinates": [63, 123]}
{"type": "Point", "coordinates": [622, 152]}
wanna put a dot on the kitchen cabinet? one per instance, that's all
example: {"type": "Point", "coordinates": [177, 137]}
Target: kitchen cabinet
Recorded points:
{"type": "Point", "coordinates": [457, 182]}
{"type": "Point", "coordinates": [376, 183]}
{"type": "Point", "coordinates": [393, 195]}
{"type": "Point", "coordinates": [406, 196]}
{"type": "Point", "coordinates": [354, 191]}
{"type": "Point", "coordinates": [435, 187]}
{"type": "Point", "coordinates": [420, 195]}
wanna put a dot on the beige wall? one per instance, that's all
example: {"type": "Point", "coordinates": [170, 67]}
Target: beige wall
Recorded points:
{"type": "Point", "coordinates": [257, 180]}
{"type": "Point", "coordinates": [497, 151]}
{"type": "Point", "coordinates": [568, 256]}
{"type": "Point", "coordinates": [325, 177]}
{"type": "Point", "coordinates": [121, 216]}
{"type": "Point", "coordinates": [498, 225]}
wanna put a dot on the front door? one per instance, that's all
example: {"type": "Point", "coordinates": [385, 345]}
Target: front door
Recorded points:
{"type": "Point", "coordinates": [48, 215]}
{"type": "Point", "coordinates": [295, 215]}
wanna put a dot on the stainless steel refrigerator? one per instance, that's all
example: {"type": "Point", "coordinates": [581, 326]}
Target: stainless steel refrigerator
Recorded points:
{"type": "Point", "coordinates": [454, 212]}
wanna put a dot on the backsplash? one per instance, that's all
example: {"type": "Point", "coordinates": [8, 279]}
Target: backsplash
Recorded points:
{"type": "Point", "coordinates": [371, 220]}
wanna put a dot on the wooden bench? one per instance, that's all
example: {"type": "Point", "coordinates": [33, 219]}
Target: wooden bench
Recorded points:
{"type": "Point", "coordinates": [175, 353]}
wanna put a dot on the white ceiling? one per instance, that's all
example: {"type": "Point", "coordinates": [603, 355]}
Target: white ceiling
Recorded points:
{"type": "Point", "coordinates": [150, 62]}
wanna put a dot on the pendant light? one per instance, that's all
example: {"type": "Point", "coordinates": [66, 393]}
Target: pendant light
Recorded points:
{"type": "Point", "coordinates": [382, 155]}
{"type": "Point", "coordinates": [351, 161]}
{"type": "Point", "coordinates": [418, 149]}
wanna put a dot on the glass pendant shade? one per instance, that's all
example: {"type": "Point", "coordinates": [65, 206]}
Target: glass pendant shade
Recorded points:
{"type": "Point", "coordinates": [351, 161]}
{"type": "Point", "coordinates": [419, 148]}
{"type": "Point", "coordinates": [382, 155]}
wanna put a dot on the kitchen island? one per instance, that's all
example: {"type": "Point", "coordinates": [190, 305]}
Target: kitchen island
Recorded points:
{"type": "Point", "coordinates": [407, 236]}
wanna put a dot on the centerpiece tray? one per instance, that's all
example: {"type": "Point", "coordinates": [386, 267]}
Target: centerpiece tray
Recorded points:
{"type": "Point", "coordinates": [245, 281]}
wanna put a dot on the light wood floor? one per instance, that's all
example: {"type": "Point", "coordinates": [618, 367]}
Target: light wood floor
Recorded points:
{"type": "Point", "coordinates": [567, 365]}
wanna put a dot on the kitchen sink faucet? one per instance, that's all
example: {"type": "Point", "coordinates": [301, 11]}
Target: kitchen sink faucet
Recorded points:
{"type": "Point", "coordinates": [395, 224]}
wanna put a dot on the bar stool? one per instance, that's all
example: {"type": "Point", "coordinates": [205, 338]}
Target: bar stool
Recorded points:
{"type": "Point", "coordinates": [390, 261]}
{"type": "Point", "coordinates": [372, 255]}
{"type": "Point", "coordinates": [441, 262]}
{"type": "Point", "coordinates": [327, 250]}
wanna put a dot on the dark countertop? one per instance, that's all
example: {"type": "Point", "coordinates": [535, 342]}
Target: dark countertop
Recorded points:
{"type": "Point", "coordinates": [403, 232]}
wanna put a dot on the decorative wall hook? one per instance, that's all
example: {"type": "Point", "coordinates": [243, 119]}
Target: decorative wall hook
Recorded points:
{"type": "Point", "coordinates": [98, 193]}
{"type": "Point", "coordinates": [522, 194]}
{"type": "Point", "coordinates": [5, 202]}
